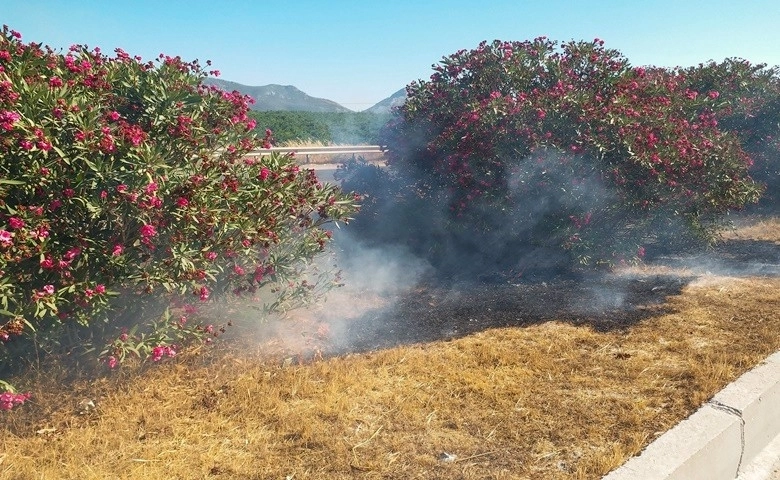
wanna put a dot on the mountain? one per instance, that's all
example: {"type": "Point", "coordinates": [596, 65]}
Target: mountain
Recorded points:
{"type": "Point", "coordinates": [386, 105]}
{"type": "Point", "coordinates": [279, 97]}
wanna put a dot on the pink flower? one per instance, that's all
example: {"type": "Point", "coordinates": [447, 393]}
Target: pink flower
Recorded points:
{"type": "Point", "coordinates": [114, 115]}
{"type": "Point", "coordinates": [48, 289]}
{"type": "Point", "coordinates": [112, 362]}
{"type": "Point", "coordinates": [72, 253]}
{"type": "Point", "coordinates": [161, 350]}
{"type": "Point", "coordinates": [8, 118]}
{"type": "Point", "coordinates": [157, 353]}
{"type": "Point", "coordinates": [121, 188]}
{"type": "Point", "coordinates": [264, 172]}
{"type": "Point", "coordinates": [182, 202]}
{"type": "Point", "coordinates": [6, 237]}
{"type": "Point", "coordinates": [41, 233]}
{"type": "Point", "coordinates": [134, 134]}
{"type": "Point", "coordinates": [261, 272]}
{"type": "Point", "coordinates": [238, 270]}
{"type": "Point", "coordinates": [117, 251]}
{"type": "Point", "coordinates": [153, 202]}
{"type": "Point", "coordinates": [55, 82]}
{"type": "Point", "coordinates": [100, 289]}
{"type": "Point", "coordinates": [713, 94]}
{"type": "Point", "coordinates": [107, 144]}
{"type": "Point", "coordinates": [148, 231]}
{"type": "Point", "coordinates": [47, 262]}
{"type": "Point", "coordinates": [151, 188]}
{"type": "Point", "coordinates": [9, 400]}
{"type": "Point", "coordinates": [640, 252]}
{"type": "Point", "coordinates": [16, 223]}
{"type": "Point", "coordinates": [26, 144]}
{"type": "Point", "coordinates": [211, 256]}
{"type": "Point", "coordinates": [204, 294]}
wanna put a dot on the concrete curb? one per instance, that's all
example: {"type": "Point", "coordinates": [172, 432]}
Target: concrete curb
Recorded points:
{"type": "Point", "coordinates": [719, 440]}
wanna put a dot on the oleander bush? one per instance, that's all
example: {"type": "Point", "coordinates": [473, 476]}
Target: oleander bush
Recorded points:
{"type": "Point", "coordinates": [126, 194]}
{"type": "Point", "coordinates": [749, 107]}
{"type": "Point", "coordinates": [535, 155]}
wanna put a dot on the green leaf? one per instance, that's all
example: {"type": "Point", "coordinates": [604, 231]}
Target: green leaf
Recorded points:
{"type": "Point", "coordinates": [6, 181]}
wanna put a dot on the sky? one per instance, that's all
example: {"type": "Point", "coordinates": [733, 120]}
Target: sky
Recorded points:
{"type": "Point", "coordinates": [359, 52]}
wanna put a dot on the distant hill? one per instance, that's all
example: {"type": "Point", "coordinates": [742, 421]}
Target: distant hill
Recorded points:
{"type": "Point", "coordinates": [279, 98]}
{"type": "Point", "coordinates": [286, 98]}
{"type": "Point", "coordinates": [386, 105]}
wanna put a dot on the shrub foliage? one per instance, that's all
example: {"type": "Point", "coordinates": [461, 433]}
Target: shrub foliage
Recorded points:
{"type": "Point", "coordinates": [123, 181]}
{"type": "Point", "coordinates": [516, 153]}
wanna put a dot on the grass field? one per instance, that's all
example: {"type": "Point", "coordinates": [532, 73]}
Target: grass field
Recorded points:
{"type": "Point", "coordinates": [504, 381]}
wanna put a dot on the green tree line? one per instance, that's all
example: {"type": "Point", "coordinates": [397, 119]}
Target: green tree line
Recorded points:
{"type": "Point", "coordinates": [326, 127]}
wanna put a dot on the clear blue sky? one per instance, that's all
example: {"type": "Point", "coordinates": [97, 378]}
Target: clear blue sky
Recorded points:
{"type": "Point", "coordinates": [359, 52]}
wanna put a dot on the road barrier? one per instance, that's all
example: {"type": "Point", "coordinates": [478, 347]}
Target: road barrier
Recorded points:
{"type": "Point", "coordinates": [319, 150]}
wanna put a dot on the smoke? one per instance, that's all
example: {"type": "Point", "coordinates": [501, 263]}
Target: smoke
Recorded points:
{"type": "Point", "coordinates": [402, 247]}
{"type": "Point", "coordinates": [465, 237]}
{"type": "Point", "coordinates": [733, 259]}
{"type": "Point", "coordinates": [371, 278]}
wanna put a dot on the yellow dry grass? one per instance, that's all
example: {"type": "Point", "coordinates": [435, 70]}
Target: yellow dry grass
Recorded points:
{"type": "Point", "coordinates": [552, 400]}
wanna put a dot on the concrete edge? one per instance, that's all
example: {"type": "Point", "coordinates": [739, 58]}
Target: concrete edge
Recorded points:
{"type": "Point", "coordinates": [720, 439]}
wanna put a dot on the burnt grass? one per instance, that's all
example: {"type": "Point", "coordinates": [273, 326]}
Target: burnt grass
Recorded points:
{"type": "Point", "coordinates": [430, 313]}
{"type": "Point", "coordinates": [441, 309]}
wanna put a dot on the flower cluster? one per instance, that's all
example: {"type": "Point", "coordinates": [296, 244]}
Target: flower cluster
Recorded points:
{"type": "Point", "coordinates": [10, 400]}
{"type": "Point", "coordinates": [161, 351]}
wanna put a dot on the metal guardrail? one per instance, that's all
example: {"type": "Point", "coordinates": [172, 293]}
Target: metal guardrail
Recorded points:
{"type": "Point", "coordinates": [322, 150]}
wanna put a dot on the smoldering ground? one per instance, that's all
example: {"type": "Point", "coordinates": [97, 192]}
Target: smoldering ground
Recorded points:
{"type": "Point", "coordinates": [395, 292]}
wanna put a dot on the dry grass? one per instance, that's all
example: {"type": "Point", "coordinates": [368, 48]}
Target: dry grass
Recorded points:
{"type": "Point", "coordinates": [552, 399]}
